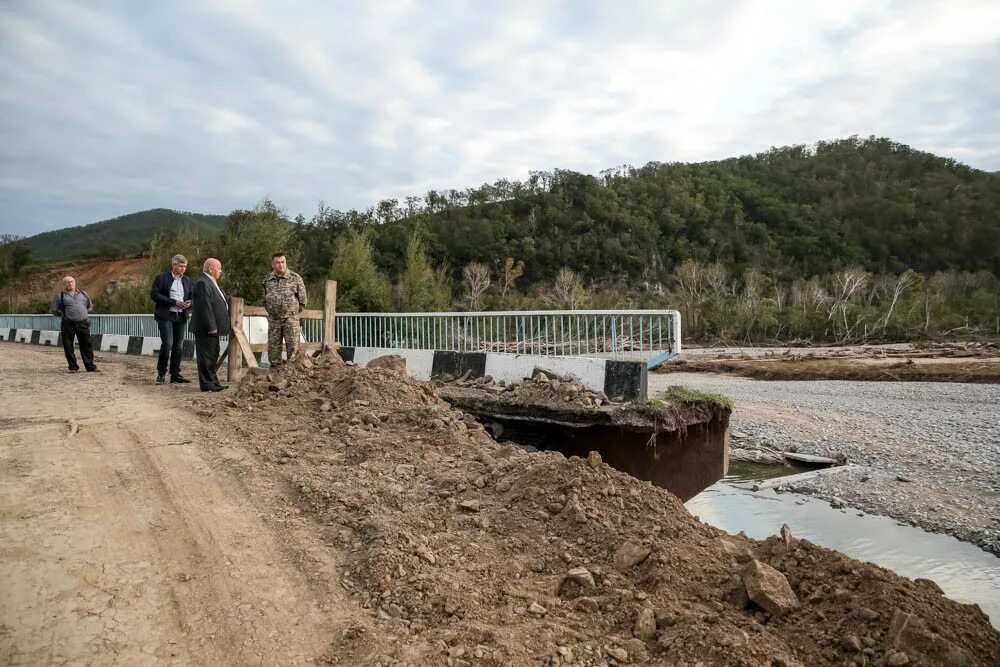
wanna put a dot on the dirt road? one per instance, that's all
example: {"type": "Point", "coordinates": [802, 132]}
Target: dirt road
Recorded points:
{"type": "Point", "coordinates": [126, 537]}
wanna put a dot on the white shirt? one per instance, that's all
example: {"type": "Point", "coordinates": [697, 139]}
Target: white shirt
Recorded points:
{"type": "Point", "coordinates": [218, 289]}
{"type": "Point", "coordinates": [177, 293]}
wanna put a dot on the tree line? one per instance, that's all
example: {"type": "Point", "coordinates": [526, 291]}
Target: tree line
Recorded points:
{"type": "Point", "coordinates": [845, 240]}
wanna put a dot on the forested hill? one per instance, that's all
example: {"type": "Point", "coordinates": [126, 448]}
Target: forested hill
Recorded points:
{"type": "Point", "coordinates": [124, 236]}
{"type": "Point", "coordinates": [791, 212]}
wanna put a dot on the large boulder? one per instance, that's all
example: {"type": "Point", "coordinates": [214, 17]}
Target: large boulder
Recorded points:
{"type": "Point", "coordinates": [768, 588]}
{"type": "Point", "coordinates": [629, 555]}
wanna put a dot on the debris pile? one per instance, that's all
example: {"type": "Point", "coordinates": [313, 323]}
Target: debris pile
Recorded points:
{"type": "Point", "coordinates": [544, 387]}
{"type": "Point", "coordinates": [466, 552]}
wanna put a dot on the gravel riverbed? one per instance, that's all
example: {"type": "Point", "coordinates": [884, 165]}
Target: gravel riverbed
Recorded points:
{"type": "Point", "coordinates": [926, 453]}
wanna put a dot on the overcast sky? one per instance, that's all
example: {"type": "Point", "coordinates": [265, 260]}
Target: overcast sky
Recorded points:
{"type": "Point", "coordinates": [108, 108]}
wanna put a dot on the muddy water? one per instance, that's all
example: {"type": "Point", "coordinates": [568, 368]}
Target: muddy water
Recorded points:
{"type": "Point", "coordinates": [964, 572]}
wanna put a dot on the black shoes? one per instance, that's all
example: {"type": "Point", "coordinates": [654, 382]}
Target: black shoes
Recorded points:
{"type": "Point", "coordinates": [161, 378]}
{"type": "Point", "coordinates": [217, 387]}
{"type": "Point", "coordinates": [177, 379]}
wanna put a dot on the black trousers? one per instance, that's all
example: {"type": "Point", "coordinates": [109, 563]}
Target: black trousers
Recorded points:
{"type": "Point", "coordinates": [171, 344]}
{"type": "Point", "coordinates": [207, 350]}
{"type": "Point", "coordinates": [81, 332]}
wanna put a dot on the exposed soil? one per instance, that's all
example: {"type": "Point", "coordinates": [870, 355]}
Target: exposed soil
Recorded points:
{"type": "Point", "coordinates": [943, 365]}
{"type": "Point", "coordinates": [549, 397]}
{"type": "Point", "coordinates": [347, 515]}
{"type": "Point", "coordinates": [93, 277]}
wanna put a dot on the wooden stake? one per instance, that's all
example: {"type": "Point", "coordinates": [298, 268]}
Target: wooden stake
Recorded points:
{"type": "Point", "coordinates": [235, 325]}
{"type": "Point", "coordinates": [329, 313]}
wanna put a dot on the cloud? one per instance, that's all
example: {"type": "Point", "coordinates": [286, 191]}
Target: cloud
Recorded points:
{"type": "Point", "coordinates": [108, 108]}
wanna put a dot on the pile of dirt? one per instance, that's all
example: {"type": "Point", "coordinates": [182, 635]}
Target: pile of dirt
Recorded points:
{"type": "Point", "coordinates": [544, 387]}
{"type": "Point", "coordinates": [562, 399]}
{"type": "Point", "coordinates": [467, 552]}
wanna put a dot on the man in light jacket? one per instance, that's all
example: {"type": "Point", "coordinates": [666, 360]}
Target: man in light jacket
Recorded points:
{"type": "Point", "coordinates": [74, 306]}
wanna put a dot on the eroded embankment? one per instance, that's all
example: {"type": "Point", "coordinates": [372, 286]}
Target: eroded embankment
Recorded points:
{"type": "Point", "coordinates": [679, 445]}
{"type": "Point", "coordinates": [469, 552]}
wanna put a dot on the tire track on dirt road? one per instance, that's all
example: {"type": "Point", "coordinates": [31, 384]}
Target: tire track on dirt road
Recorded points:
{"type": "Point", "coordinates": [125, 543]}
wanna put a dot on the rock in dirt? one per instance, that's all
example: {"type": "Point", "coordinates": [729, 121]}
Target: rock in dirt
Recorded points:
{"type": "Point", "coordinates": [768, 588]}
{"type": "Point", "coordinates": [645, 624]}
{"type": "Point", "coordinates": [629, 554]}
{"type": "Point", "coordinates": [786, 534]}
{"type": "Point", "coordinates": [594, 459]}
{"type": "Point", "coordinates": [619, 654]}
{"type": "Point", "coordinates": [581, 576]}
{"type": "Point", "coordinates": [909, 634]}
{"type": "Point", "coordinates": [537, 609]}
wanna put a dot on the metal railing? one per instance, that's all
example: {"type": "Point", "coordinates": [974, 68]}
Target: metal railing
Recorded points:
{"type": "Point", "coordinates": [635, 335]}
{"type": "Point", "coordinates": [125, 325]}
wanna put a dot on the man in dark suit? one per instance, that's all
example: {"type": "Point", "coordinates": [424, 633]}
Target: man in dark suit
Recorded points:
{"type": "Point", "coordinates": [172, 292]}
{"type": "Point", "coordinates": [210, 319]}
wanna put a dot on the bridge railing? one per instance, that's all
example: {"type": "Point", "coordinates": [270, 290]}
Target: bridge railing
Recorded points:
{"type": "Point", "coordinates": [126, 325]}
{"type": "Point", "coordinates": [630, 335]}
{"type": "Point", "coordinates": [634, 335]}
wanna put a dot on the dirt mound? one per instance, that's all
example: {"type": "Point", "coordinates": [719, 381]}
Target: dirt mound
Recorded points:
{"type": "Point", "coordinates": [468, 552]}
{"type": "Point", "coordinates": [542, 388]}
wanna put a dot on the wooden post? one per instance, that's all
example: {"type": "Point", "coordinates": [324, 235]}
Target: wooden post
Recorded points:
{"type": "Point", "coordinates": [329, 313]}
{"type": "Point", "coordinates": [235, 324]}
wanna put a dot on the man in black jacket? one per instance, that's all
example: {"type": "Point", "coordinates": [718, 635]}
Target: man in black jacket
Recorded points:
{"type": "Point", "coordinates": [209, 320]}
{"type": "Point", "coordinates": [172, 293]}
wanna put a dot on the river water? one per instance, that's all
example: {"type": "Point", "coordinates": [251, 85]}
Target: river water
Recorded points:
{"type": "Point", "coordinates": [964, 572]}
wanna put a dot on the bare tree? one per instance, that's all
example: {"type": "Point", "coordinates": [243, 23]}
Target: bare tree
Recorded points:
{"type": "Point", "coordinates": [566, 290]}
{"type": "Point", "coordinates": [848, 284]}
{"type": "Point", "coordinates": [476, 278]}
{"type": "Point", "coordinates": [696, 284]}
{"type": "Point", "coordinates": [509, 274]}
{"type": "Point", "coordinates": [906, 280]}
{"type": "Point", "coordinates": [714, 277]}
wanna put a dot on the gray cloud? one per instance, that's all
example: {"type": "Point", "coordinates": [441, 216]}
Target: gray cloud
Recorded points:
{"type": "Point", "coordinates": [108, 108]}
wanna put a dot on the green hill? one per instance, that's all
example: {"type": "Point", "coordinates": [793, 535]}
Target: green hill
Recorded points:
{"type": "Point", "coordinates": [125, 236]}
{"type": "Point", "coordinates": [791, 212]}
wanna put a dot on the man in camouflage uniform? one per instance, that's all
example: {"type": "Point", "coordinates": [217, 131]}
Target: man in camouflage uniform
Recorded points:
{"type": "Point", "coordinates": [284, 298]}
